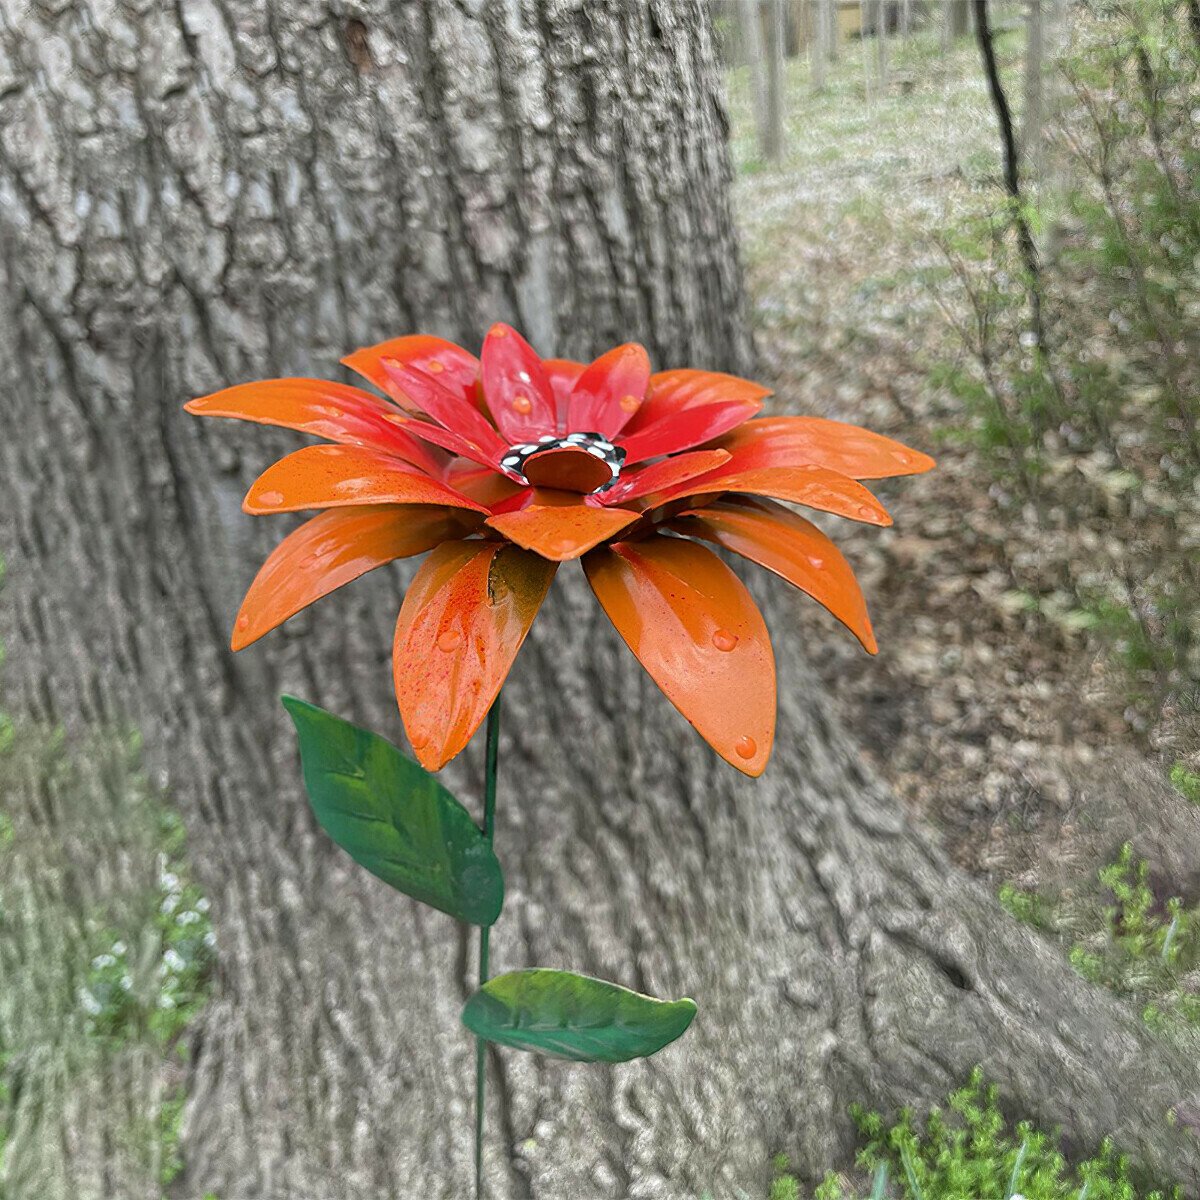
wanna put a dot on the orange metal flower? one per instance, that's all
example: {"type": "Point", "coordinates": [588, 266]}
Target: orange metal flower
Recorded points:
{"type": "Point", "coordinates": [506, 465]}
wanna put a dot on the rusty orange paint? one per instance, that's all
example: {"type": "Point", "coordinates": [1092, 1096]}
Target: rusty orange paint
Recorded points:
{"type": "Point", "coordinates": [782, 541]}
{"type": "Point", "coordinates": [334, 476]}
{"type": "Point", "coordinates": [848, 449]}
{"type": "Point", "coordinates": [561, 531]}
{"type": "Point", "coordinates": [317, 406]}
{"type": "Point", "coordinates": [335, 548]}
{"type": "Point", "coordinates": [462, 622]}
{"type": "Point", "coordinates": [695, 628]}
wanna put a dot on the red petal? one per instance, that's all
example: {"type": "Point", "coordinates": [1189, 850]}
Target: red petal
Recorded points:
{"type": "Point", "coordinates": [610, 391]}
{"type": "Point", "coordinates": [662, 475]}
{"type": "Point", "coordinates": [562, 374]}
{"type": "Point", "coordinates": [515, 386]}
{"type": "Point", "coordinates": [673, 392]}
{"type": "Point", "coordinates": [695, 628]}
{"type": "Point", "coordinates": [560, 525]}
{"type": "Point", "coordinates": [462, 622]}
{"type": "Point", "coordinates": [329, 410]}
{"type": "Point", "coordinates": [687, 428]}
{"type": "Point", "coordinates": [334, 476]}
{"type": "Point", "coordinates": [448, 409]}
{"type": "Point", "coordinates": [456, 368]}
{"type": "Point", "coordinates": [816, 441]}
{"type": "Point", "coordinates": [784, 542]}
{"type": "Point", "coordinates": [333, 549]}
{"type": "Point", "coordinates": [454, 442]}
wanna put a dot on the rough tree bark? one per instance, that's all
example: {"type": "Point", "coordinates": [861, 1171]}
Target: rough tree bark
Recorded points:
{"type": "Point", "coordinates": [210, 192]}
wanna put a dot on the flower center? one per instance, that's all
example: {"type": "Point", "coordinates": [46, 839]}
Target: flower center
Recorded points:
{"type": "Point", "coordinates": [579, 462]}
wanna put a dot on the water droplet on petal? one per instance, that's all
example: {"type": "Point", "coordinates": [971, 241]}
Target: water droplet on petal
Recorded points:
{"type": "Point", "coordinates": [449, 640]}
{"type": "Point", "coordinates": [724, 640]}
{"type": "Point", "coordinates": [270, 499]}
{"type": "Point", "coordinates": [865, 510]}
{"type": "Point", "coordinates": [745, 747]}
{"type": "Point", "coordinates": [395, 418]}
{"type": "Point", "coordinates": [522, 404]}
{"type": "Point", "coordinates": [562, 546]}
{"type": "Point", "coordinates": [434, 367]}
{"type": "Point", "coordinates": [630, 403]}
{"type": "Point", "coordinates": [243, 622]}
{"type": "Point", "coordinates": [419, 739]}
{"type": "Point", "coordinates": [499, 331]}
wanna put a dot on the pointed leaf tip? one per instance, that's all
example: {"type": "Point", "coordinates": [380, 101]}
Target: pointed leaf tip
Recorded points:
{"type": "Point", "coordinates": [395, 818]}
{"type": "Point", "coordinates": [566, 1015]}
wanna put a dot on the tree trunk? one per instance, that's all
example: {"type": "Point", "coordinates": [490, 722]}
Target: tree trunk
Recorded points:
{"type": "Point", "coordinates": [818, 44]}
{"type": "Point", "coordinates": [762, 32]}
{"type": "Point", "coordinates": [200, 194]}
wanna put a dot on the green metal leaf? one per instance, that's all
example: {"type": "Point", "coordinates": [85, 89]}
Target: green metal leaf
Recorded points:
{"type": "Point", "coordinates": [395, 818]}
{"type": "Point", "coordinates": [574, 1016]}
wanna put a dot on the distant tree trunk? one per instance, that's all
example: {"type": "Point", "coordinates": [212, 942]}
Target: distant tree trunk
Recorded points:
{"type": "Point", "coordinates": [957, 18]}
{"type": "Point", "coordinates": [1033, 115]}
{"type": "Point", "coordinates": [226, 192]}
{"type": "Point", "coordinates": [773, 143]}
{"type": "Point", "coordinates": [833, 28]}
{"type": "Point", "coordinates": [818, 52]}
{"type": "Point", "coordinates": [881, 44]}
{"type": "Point", "coordinates": [762, 22]}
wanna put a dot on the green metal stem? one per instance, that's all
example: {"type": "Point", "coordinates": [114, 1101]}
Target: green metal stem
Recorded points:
{"type": "Point", "coordinates": [491, 764]}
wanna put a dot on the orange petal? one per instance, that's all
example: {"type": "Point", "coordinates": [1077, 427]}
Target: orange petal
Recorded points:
{"type": "Point", "coordinates": [334, 549]}
{"type": "Point", "coordinates": [454, 367]}
{"type": "Point", "coordinates": [695, 628]}
{"type": "Point", "coordinates": [813, 487]}
{"type": "Point", "coordinates": [329, 410]}
{"type": "Point", "coordinates": [334, 476]}
{"type": "Point", "coordinates": [462, 622]}
{"type": "Point", "coordinates": [560, 525]}
{"type": "Point", "coordinates": [784, 542]}
{"type": "Point", "coordinates": [802, 441]}
{"type": "Point", "coordinates": [608, 393]}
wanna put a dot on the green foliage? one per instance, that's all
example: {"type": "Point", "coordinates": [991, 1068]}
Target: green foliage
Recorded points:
{"type": "Point", "coordinates": [565, 1015]}
{"type": "Point", "coordinates": [1098, 421]}
{"type": "Point", "coordinates": [1126, 939]}
{"type": "Point", "coordinates": [395, 818]}
{"type": "Point", "coordinates": [1028, 907]}
{"type": "Point", "coordinates": [153, 979]}
{"type": "Point", "coordinates": [1186, 782]}
{"type": "Point", "coordinates": [971, 1150]}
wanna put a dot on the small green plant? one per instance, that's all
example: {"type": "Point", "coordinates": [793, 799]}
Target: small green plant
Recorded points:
{"type": "Point", "coordinates": [1186, 782]}
{"type": "Point", "coordinates": [971, 1150]}
{"type": "Point", "coordinates": [154, 981]}
{"type": "Point", "coordinates": [1126, 939]}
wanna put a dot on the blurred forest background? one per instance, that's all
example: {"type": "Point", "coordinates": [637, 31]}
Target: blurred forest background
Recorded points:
{"type": "Point", "coordinates": [974, 226]}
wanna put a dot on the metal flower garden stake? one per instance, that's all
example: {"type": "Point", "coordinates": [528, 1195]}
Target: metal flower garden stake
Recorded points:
{"type": "Point", "coordinates": [500, 468]}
